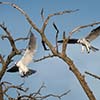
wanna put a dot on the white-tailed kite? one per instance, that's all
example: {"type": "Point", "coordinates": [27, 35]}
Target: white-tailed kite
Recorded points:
{"type": "Point", "coordinates": [85, 42]}
{"type": "Point", "coordinates": [21, 65]}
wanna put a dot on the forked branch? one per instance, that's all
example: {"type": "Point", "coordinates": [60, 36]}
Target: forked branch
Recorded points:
{"type": "Point", "coordinates": [14, 52]}
{"type": "Point", "coordinates": [55, 14]}
{"type": "Point", "coordinates": [66, 59]}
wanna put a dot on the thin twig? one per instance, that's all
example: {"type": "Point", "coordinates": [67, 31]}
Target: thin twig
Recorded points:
{"type": "Point", "coordinates": [26, 97]}
{"type": "Point", "coordinates": [54, 95]}
{"type": "Point", "coordinates": [11, 40]}
{"type": "Point", "coordinates": [44, 45]}
{"type": "Point", "coordinates": [38, 91]}
{"type": "Point", "coordinates": [83, 26]}
{"type": "Point", "coordinates": [23, 12]}
{"type": "Point", "coordinates": [45, 57]}
{"type": "Point", "coordinates": [5, 83]}
{"type": "Point", "coordinates": [18, 39]}
{"type": "Point", "coordinates": [2, 60]}
{"type": "Point", "coordinates": [57, 32]}
{"type": "Point", "coordinates": [93, 75]}
{"type": "Point", "coordinates": [42, 14]}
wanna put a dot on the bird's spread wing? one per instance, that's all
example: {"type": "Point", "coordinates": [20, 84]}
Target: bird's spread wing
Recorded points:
{"type": "Point", "coordinates": [13, 69]}
{"type": "Point", "coordinates": [27, 57]}
{"type": "Point", "coordinates": [70, 41]}
{"type": "Point", "coordinates": [93, 34]}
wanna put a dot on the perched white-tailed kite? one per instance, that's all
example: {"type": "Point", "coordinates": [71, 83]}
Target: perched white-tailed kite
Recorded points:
{"type": "Point", "coordinates": [85, 42]}
{"type": "Point", "coordinates": [21, 65]}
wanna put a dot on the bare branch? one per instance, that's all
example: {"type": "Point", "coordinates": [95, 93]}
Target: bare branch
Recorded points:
{"type": "Point", "coordinates": [26, 97]}
{"type": "Point", "coordinates": [80, 77]}
{"type": "Point", "coordinates": [16, 87]}
{"type": "Point", "coordinates": [55, 14]}
{"type": "Point", "coordinates": [45, 24]}
{"type": "Point", "coordinates": [9, 38]}
{"type": "Point", "coordinates": [14, 51]}
{"type": "Point", "coordinates": [34, 26]}
{"type": "Point", "coordinates": [38, 91]}
{"type": "Point", "coordinates": [8, 86]}
{"type": "Point", "coordinates": [38, 95]}
{"type": "Point", "coordinates": [2, 60]}
{"type": "Point", "coordinates": [23, 12]}
{"type": "Point", "coordinates": [93, 75]}
{"type": "Point", "coordinates": [54, 95]}
{"type": "Point", "coordinates": [57, 31]}
{"type": "Point", "coordinates": [5, 83]}
{"type": "Point", "coordinates": [1, 93]}
{"type": "Point", "coordinates": [4, 36]}
{"type": "Point", "coordinates": [42, 14]}
{"type": "Point", "coordinates": [18, 39]}
{"type": "Point", "coordinates": [33, 96]}
{"type": "Point", "coordinates": [64, 45]}
{"type": "Point", "coordinates": [45, 57]}
{"type": "Point", "coordinates": [83, 26]}
{"type": "Point", "coordinates": [55, 27]}
{"type": "Point", "coordinates": [44, 45]}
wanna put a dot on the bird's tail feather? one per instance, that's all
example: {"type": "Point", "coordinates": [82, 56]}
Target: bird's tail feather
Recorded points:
{"type": "Point", "coordinates": [13, 69]}
{"type": "Point", "coordinates": [94, 49]}
{"type": "Point", "coordinates": [60, 41]}
{"type": "Point", "coordinates": [70, 41]}
{"type": "Point", "coordinates": [30, 72]}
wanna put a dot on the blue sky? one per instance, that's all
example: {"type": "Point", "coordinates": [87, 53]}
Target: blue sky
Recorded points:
{"type": "Point", "coordinates": [54, 72]}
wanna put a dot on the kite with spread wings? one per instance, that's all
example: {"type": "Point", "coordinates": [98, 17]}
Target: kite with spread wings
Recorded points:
{"type": "Point", "coordinates": [21, 65]}
{"type": "Point", "coordinates": [85, 42]}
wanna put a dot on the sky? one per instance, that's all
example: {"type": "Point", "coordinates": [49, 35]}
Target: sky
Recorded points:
{"type": "Point", "coordinates": [54, 72]}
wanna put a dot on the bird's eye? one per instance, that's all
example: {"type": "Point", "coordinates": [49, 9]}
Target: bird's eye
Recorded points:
{"type": "Point", "coordinates": [87, 40]}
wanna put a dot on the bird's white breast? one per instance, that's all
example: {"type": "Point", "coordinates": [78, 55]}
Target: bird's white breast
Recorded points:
{"type": "Point", "coordinates": [22, 67]}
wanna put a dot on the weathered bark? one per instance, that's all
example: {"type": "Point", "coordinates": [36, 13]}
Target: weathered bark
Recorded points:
{"type": "Point", "coordinates": [80, 78]}
{"type": "Point", "coordinates": [1, 93]}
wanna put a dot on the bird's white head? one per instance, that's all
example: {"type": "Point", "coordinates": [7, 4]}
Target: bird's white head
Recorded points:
{"type": "Point", "coordinates": [85, 43]}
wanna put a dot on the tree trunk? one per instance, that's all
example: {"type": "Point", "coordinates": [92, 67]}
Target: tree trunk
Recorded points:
{"type": "Point", "coordinates": [80, 78]}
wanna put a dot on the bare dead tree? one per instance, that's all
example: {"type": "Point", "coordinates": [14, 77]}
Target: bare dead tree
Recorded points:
{"type": "Point", "coordinates": [55, 53]}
